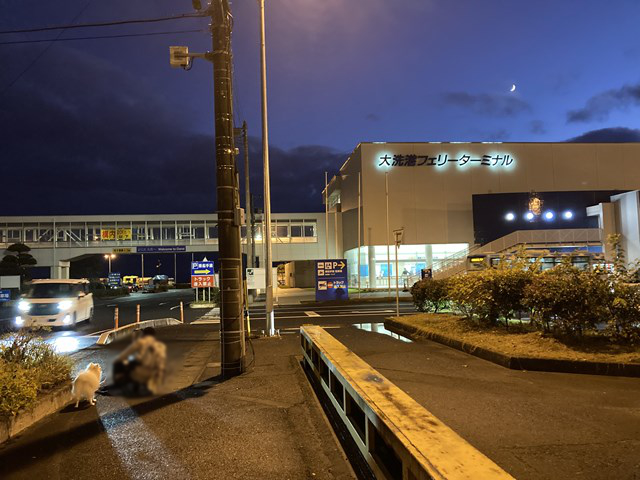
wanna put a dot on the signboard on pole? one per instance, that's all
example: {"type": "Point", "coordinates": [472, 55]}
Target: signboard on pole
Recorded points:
{"type": "Point", "coordinates": [174, 249]}
{"type": "Point", "coordinates": [5, 295]}
{"type": "Point", "coordinates": [331, 280]}
{"type": "Point", "coordinates": [114, 279]}
{"type": "Point", "coordinates": [202, 274]}
{"type": "Point", "coordinates": [256, 278]}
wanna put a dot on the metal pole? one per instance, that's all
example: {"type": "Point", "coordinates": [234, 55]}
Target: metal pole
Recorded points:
{"type": "Point", "coordinates": [138, 313]}
{"type": "Point", "coordinates": [326, 215]}
{"type": "Point", "coordinates": [231, 320]}
{"type": "Point", "coordinates": [142, 269]}
{"type": "Point", "coordinates": [397, 291]}
{"type": "Point", "coordinates": [247, 198]}
{"type": "Point", "coordinates": [359, 234]}
{"type": "Point", "coordinates": [335, 229]}
{"type": "Point", "coordinates": [175, 268]}
{"type": "Point", "coordinates": [386, 194]}
{"type": "Point", "coordinates": [270, 323]}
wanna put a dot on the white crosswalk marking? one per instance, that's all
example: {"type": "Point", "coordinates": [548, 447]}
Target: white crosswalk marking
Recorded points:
{"type": "Point", "coordinates": [312, 314]}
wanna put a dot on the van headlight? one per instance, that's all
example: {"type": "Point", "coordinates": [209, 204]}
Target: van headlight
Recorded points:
{"type": "Point", "coordinates": [24, 306]}
{"type": "Point", "coordinates": [19, 321]}
{"type": "Point", "coordinates": [65, 305]}
{"type": "Point", "coordinates": [67, 319]}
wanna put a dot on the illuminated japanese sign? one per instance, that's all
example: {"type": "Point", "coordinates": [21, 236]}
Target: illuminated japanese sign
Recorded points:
{"type": "Point", "coordinates": [498, 160]}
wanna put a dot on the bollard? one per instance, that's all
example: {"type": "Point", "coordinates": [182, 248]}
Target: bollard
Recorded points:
{"type": "Point", "coordinates": [181, 313]}
{"type": "Point", "coordinates": [138, 313]}
{"type": "Point", "coordinates": [115, 318]}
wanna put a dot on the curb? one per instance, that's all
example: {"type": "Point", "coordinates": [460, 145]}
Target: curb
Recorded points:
{"type": "Point", "coordinates": [520, 363]}
{"type": "Point", "coordinates": [127, 330]}
{"type": "Point", "coordinates": [47, 404]}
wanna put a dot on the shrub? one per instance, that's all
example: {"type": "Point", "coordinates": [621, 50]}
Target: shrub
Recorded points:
{"type": "Point", "coordinates": [18, 389]}
{"type": "Point", "coordinates": [568, 299]}
{"type": "Point", "coordinates": [471, 295]}
{"type": "Point", "coordinates": [430, 295]}
{"type": "Point", "coordinates": [624, 310]}
{"type": "Point", "coordinates": [28, 365]}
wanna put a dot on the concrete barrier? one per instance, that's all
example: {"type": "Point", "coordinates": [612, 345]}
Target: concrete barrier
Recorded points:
{"type": "Point", "coordinates": [46, 404]}
{"type": "Point", "coordinates": [398, 438]}
{"type": "Point", "coordinates": [126, 331]}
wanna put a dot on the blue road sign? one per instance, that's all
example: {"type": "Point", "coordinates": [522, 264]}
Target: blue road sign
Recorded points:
{"type": "Point", "coordinates": [5, 295]}
{"type": "Point", "coordinates": [201, 269]}
{"type": "Point", "coordinates": [331, 280]}
{"type": "Point", "coordinates": [114, 279]}
{"type": "Point", "coordinates": [161, 249]}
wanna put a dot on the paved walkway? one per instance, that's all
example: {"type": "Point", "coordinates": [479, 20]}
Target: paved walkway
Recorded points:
{"type": "Point", "coordinates": [535, 425]}
{"type": "Point", "coordinates": [265, 424]}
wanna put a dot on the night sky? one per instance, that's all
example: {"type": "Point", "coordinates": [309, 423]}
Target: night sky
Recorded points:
{"type": "Point", "coordinates": [106, 126]}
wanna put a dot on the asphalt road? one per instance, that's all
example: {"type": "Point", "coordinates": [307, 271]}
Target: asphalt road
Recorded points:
{"type": "Point", "coordinates": [536, 425]}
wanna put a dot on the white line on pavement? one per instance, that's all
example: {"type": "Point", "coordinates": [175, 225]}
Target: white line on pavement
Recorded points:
{"type": "Point", "coordinates": [312, 314]}
{"type": "Point", "coordinates": [163, 303]}
{"type": "Point", "coordinates": [173, 308]}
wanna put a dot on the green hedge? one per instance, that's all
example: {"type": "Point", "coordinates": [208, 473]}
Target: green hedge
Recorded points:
{"type": "Point", "coordinates": [562, 301]}
{"type": "Point", "coordinates": [28, 366]}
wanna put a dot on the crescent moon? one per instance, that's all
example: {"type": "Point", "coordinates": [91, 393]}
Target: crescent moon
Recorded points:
{"type": "Point", "coordinates": [513, 88]}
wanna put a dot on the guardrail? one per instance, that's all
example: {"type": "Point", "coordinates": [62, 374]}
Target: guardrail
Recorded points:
{"type": "Point", "coordinates": [398, 438]}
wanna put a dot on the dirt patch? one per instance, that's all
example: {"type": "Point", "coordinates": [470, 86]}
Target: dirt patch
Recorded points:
{"type": "Point", "coordinates": [520, 342]}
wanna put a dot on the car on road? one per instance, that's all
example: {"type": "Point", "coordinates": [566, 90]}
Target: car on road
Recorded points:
{"type": "Point", "coordinates": [55, 303]}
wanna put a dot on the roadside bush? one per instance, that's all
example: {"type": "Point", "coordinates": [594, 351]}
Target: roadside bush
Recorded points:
{"type": "Point", "coordinates": [110, 292]}
{"type": "Point", "coordinates": [568, 300]}
{"type": "Point", "coordinates": [472, 296]}
{"type": "Point", "coordinates": [430, 295]}
{"type": "Point", "coordinates": [624, 310]}
{"type": "Point", "coordinates": [18, 389]}
{"type": "Point", "coordinates": [28, 365]}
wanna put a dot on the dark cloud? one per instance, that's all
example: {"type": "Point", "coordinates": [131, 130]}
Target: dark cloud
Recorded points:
{"type": "Point", "coordinates": [88, 138]}
{"type": "Point", "coordinates": [609, 135]}
{"type": "Point", "coordinates": [537, 127]}
{"type": "Point", "coordinates": [601, 105]}
{"type": "Point", "coordinates": [487, 104]}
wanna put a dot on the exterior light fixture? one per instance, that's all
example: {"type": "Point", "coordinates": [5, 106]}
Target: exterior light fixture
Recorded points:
{"type": "Point", "coordinates": [548, 215]}
{"type": "Point", "coordinates": [529, 216]}
{"type": "Point", "coordinates": [510, 217]}
{"type": "Point", "coordinates": [568, 215]}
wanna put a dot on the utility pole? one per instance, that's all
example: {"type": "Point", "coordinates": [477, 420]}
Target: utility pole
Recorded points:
{"type": "Point", "coordinates": [231, 312]}
{"type": "Point", "coordinates": [232, 324]}
{"type": "Point", "coordinates": [248, 212]}
{"type": "Point", "coordinates": [266, 217]}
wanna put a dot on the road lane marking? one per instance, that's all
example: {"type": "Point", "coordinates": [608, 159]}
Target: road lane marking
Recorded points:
{"type": "Point", "coordinates": [312, 314]}
{"type": "Point", "coordinates": [173, 308]}
{"type": "Point", "coordinates": [139, 450]}
{"type": "Point", "coordinates": [205, 321]}
{"type": "Point", "coordinates": [163, 303]}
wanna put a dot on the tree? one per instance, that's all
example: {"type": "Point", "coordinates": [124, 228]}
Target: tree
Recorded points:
{"type": "Point", "coordinates": [17, 261]}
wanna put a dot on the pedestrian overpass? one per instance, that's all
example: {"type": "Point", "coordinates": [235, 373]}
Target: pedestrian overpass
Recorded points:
{"type": "Point", "coordinates": [56, 241]}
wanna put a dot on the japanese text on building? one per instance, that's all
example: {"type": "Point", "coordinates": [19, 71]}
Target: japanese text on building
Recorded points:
{"type": "Point", "coordinates": [441, 160]}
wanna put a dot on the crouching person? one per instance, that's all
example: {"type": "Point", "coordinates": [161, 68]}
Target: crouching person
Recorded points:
{"type": "Point", "coordinates": [142, 364]}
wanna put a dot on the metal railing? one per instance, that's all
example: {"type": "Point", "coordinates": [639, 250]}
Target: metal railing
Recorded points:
{"type": "Point", "coordinates": [532, 238]}
{"type": "Point", "coordinates": [397, 437]}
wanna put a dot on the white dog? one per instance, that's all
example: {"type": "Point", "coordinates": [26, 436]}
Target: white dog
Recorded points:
{"type": "Point", "coordinates": [87, 383]}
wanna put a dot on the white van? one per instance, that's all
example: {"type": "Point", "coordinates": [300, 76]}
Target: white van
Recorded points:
{"type": "Point", "coordinates": [55, 303]}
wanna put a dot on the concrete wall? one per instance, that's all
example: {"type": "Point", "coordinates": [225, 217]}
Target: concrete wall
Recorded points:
{"type": "Point", "coordinates": [434, 204]}
{"type": "Point", "coordinates": [627, 208]}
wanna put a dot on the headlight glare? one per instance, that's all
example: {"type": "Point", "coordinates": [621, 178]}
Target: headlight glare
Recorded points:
{"type": "Point", "coordinates": [65, 305]}
{"type": "Point", "coordinates": [24, 306]}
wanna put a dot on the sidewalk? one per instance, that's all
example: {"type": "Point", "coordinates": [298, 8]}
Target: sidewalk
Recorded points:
{"type": "Point", "coordinates": [298, 296]}
{"type": "Point", "coordinates": [265, 424]}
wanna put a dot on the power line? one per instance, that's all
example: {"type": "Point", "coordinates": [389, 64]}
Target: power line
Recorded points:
{"type": "Point", "coordinates": [98, 37]}
{"type": "Point", "coordinates": [105, 24]}
{"type": "Point", "coordinates": [42, 53]}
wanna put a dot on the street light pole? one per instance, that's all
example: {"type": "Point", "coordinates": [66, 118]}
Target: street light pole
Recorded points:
{"type": "Point", "coordinates": [270, 323]}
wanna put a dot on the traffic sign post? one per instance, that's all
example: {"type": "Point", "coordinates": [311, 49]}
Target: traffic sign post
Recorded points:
{"type": "Point", "coordinates": [5, 295]}
{"type": "Point", "coordinates": [331, 280]}
{"type": "Point", "coordinates": [202, 276]}
{"type": "Point", "coordinates": [114, 279]}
